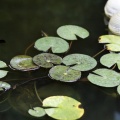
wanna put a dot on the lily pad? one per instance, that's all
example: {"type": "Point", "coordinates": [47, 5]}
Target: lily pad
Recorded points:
{"type": "Point", "coordinates": [104, 77]}
{"type": "Point", "coordinates": [80, 62]}
{"type": "Point", "coordinates": [69, 32]}
{"type": "Point", "coordinates": [37, 112]}
{"type": "Point", "coordinates": [3, 73]}
{"type": "Point", "coordinates": [57, 45]}
{"type": "Point", "coordinates": [23, 63]}
{"type": "Point", "coordinates": [112, 42]}
{"type": "Point", "coordinates": [110, 59]}
{"type": "Point", "coordinates": [2, 64]}
{"type": "Point", "coordinates": [63, 108]}
{"type": "Point", "coordinates": [46, 60]}
{"type": "Point", "coordinates": [118, 89]}
{"type": "Point", "coordinates": [4, 86]}
{"type": "Point", "coordinates": [64, 73]}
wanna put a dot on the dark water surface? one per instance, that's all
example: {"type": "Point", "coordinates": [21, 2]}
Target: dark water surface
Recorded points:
{"type": "Point", "coordinates": [21, 22]}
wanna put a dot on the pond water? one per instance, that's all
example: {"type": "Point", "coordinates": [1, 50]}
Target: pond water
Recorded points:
{"type": "Point", "coordinates": [21, 23]}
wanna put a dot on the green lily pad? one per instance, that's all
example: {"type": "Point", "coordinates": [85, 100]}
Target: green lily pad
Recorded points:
{"type": "Point", "coordinates": [23, 63]}
{"type": "Point", "coordinates": [3, 73]}
{"type": "Point", "coordinates": [110, 59]}
{"type": "Point", "coordinates": [81, 62]}
{"type": "Point", "coordinates": [2, 64]}
{"type": "Point", "coordinates": [63, 108]}
{"type": "Point", "coordinates": [57, 45]}
{"type": "Point", "coordinates": [37, 112]}
{"type": "Point", "coordinates": [4, 86]}
{"type": "Point", "coordinates": [69, 32]}
{"type": "Point", "coordinates": [64, 73]}
{"type": "Point", "coordinates": [112, 42]}
{"type": "Point", "coordinates": [46, 60]}
{"type": "Point", "coordinates": [118, 89]}
{"type": "Point", "coordinates": [104, 77]}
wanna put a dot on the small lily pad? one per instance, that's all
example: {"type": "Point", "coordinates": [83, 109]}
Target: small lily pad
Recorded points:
{"type": "Point", "coordinates": [37, 112]}
{"type": "Point", "coordinates": [69, 32]}
{"type": "Point", "coordinates": [63, 108]}
{"type": "Point", "coordinates": [4, 85]}
{"type": "Point", "coordinates": [110, 59]}
{"type": "Point", "coordinates": [3, 73]}
{"type": "Point", "coordinates": [81, 62]}
{"type": "Point", "coordinates": [2, 64]}
{"type": "Point", "coordinates": [23, 63]}
{"type": "Point", "coordinates": [64, 73]}
{"type": "Point", "coordinates": [57, 45]}
{"type": "Point", "coordinates": [112, 42]}
{"type": "Point", "coordinates": [104, 77]}
{"type": "Point", "coordinates": [46, 60]}
{"type": "Point", "coordinates": [118, 89]}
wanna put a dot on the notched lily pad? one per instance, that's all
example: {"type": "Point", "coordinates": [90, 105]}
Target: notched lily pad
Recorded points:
{"type": "Point", "coordinates": [3, 73]}
{"type": "Point", "coordinates": [2, 64]}
{"type": "Point", "coordinates": [63, 108]}
{"type": "Point", "coordinates": [37, 112]}
{"type": "Point", "coordinates": [80, 62]}
{"type": "Point", "coordinates": [23, 63]}
{"type": "Point", "coordinates": [69, 32]}
{"type": "Point", "coordinates": [110, 59]}
{"type": "Point", "coordinates": [4, 86]}
{"type": "Point", "coordinates": [112, 42]}
{"type": "Point", "coordinates": [46, 60]}
{"type": "Point", "coordinates": [104, 77]}
{"type": "Point", "coordinates": [57, 45]}
{"type": "Point", "coordinates": [64, 73]}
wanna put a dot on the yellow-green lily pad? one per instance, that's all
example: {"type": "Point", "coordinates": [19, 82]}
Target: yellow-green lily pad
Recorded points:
{"type": "Point", "coordinates": [46, 60]}
{"type": "Point", "coordinates": [112, 42]}
{"type": "Point", "coordinates": [104, 77]}
{"type": "Point", "coordinates": [2, 64]}
{"type": "Point", "coordinates": [3, 73]}
{"type": "Point", "coordinates": [23, 63]}
{"type": "Point", "coordinates": [69, 32]}
{"type": "Point", "coordinates": [110, 59]}
{"type": "Point", "coordinates": [4, 86]}
{"type": "Point", "coordinates": [37, 112]}
{"type": "Point", "coordinates": [118, 89]}
{"type": "Point", "coordinates": [56, 44]}
{"type": "Point", "coordinates": [64, 73]}
{"type": "Point", "coordinates": [63, 108]}
{"type": "Point", "coordinates": [80, 62]}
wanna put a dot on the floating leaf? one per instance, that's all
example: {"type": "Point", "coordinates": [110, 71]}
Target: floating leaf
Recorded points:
{"type": "Point", "coordinates": [23, 63]}
{"type": "Point", "coordinates": [4, 85]}
{"type": "Point", "coordinates": [63, 108]}
{"type": "Point", "coordinates": [118, 89]}
{"type": "Point", "coordinates": [104, 77]}
{"type": "Point", "coordinates": [81, 62]}
{"type": "Point", "coordinates": [3, 73]}
{"type": "Point", "coordinates": [69, 32]}
{"type": "Point", "coordinates": [2, 64]}
{"type": "Point", "coordinates": [37, 112]}
{"type": "Point", "coordinates": [57, 45]}
{"type": "Point", "coordinates": [113, 42]}
{"type": "Point", "coordinates": [64, 73]}
{"type": "Point", "coordinates": [46, 60]}
{"type": "Point", "coordinates": [110, 59]}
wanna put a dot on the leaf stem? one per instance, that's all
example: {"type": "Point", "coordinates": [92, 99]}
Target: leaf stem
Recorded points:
{"type": "Point", "coordinates": [99, 52]}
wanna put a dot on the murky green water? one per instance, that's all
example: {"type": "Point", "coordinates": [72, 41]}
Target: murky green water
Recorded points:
{"type": "Point", "coordinates": [21, 23]}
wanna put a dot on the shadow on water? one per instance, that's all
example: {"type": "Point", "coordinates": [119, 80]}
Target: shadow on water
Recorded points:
{"type": "Point", "coordinates": [21, 23]}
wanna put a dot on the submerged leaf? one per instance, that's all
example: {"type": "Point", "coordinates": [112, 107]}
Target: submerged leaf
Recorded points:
{"type": "Point", "coordinates": [110, 59]}
{"type": "Point", "coordinates": [57, 45]}
{"type": "Point", "coordinates": [2, 64]}
{"type": "Point", "coordinates": [64, 73]}
{"type": "Point", "coordinates": [4, 85]}
{"type": "Point", "coordinates": [23, 63]}
{"type": "Point", "coordinates": [3, 73]}
{"type": "Point", "coordinates": [37, 112]}
{"type": "Point", "coordinates": [46, 60]}
{"type": "Point", "coordinates": [104, 77]}
{"type": "Point", "coordinates": [69, 32]}
{"type": "Point", "coordinates": [112, 42]}
{"type": "Point", "coordinates": [63, 108]}
{"type": "Point", "coordinates": [81, 62]}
